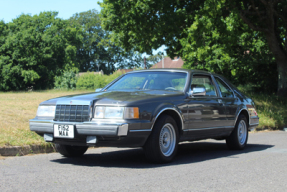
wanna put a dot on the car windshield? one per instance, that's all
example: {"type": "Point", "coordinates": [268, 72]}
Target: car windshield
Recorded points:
{"type": "Point", "coordinates": [152, 80]}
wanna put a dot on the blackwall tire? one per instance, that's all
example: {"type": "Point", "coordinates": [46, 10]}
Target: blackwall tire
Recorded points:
{"type": "Point", "coordinates": [71, 151]}
{"type": "Point", "coordinates": [162, 144]}
{"type": "Point", "coordinates": [239, 136]}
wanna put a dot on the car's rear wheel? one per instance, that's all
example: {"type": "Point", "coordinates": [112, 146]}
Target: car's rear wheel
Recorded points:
{"type": "Point", "coordinates": [239, 136]}
{"type": "Point", "coordinates": [71, 151]}
{"type": "Point", "coordinates": [162, 144]}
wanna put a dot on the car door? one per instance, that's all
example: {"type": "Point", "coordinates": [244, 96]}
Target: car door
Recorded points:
{"type": "Point", "coordinates": [206, 113]}
{"type": "Point", "coordinates": [229, 100]}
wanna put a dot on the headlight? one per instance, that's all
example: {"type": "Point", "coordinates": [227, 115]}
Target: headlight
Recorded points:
{"type": "Point", "coordinates": [46, 111]}
{"type": "Point", "coordinates": [116, 112]}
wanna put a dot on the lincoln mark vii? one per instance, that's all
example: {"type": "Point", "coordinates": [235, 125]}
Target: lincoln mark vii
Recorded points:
{"type": "Point", "coordinates": [154, 109]}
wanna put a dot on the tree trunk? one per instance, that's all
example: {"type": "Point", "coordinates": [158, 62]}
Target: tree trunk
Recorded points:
{"type": "Point", "coordinates": [281, 60]}
{"type": "Point", "coordinates": [282, 77]}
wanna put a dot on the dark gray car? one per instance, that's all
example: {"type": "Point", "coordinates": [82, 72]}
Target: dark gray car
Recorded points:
{"type": "Point", "coordinates": [154, 109]}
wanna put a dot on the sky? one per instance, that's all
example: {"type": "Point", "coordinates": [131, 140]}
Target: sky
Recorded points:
{"type": "Point", "coordinates": [11, 9]}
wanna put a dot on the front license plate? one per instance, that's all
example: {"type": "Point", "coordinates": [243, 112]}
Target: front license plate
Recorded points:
{"type": "Point", "coordinates": [63, 131]}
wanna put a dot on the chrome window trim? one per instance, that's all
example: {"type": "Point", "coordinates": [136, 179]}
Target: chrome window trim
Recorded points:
{"type": "Point", "coordinates": [218, 93]}
{"type": "Point", "coordinates": [139, 71]}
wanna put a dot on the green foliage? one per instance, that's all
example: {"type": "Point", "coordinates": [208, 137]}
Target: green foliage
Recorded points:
{"type": "Point", "coordinates": [227, 46]}
{"type": "Point", "coordinates": [89, 81]}
{"type": "Point", "coordinates": [147, 24]}
{"type": "Point", "coordinates": [153, 59]}
{"type": "Point", "coordinates": [67, 80]}
{"type": "Point", "coordinates": [90, 50]}
{"type": "Point", "coordinates": [36, 48]}
{"type": "Point", "coordinates": [97, 51]}
{"type": "Point", "coordinates": [94, 81]}
{"type": "Point", "coordinates": [271, 109]}
{"type": "Point", "coordinates": [209, 35]}
{"type": "Point", "coordinates": [43, 51]}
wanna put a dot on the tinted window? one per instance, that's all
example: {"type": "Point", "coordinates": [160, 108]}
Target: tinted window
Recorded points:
{"type": "Point", "coordinates": [224, 89]}
{"type": "Point", "coordinates": [174, 81]}
{"type": "Point", "coordinates": [203, 81]}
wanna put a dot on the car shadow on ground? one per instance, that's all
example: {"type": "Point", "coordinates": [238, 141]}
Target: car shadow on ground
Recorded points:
{"type": "Point", "coordinates": [134, 158]}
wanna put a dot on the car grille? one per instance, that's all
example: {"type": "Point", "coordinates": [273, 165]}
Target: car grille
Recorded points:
{"type": "Point", "coordinates": [72, 113]}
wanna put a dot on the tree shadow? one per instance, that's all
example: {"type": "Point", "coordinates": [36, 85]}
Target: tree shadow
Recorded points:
{"type": "Point", "coordinates": [135, 158]}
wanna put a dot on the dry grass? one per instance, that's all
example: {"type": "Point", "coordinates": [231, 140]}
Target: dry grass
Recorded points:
{"type": "Point", "coordinates": [16, 110]}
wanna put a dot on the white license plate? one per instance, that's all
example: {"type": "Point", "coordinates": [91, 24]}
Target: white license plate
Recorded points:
{"type": "Point", "coordinates": [63, 131]}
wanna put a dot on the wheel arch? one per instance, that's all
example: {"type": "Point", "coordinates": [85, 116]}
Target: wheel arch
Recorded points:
{"type": "Point", "coordinates": [174, 114]}
{"type": "Point", "coordinates": [245, 113]}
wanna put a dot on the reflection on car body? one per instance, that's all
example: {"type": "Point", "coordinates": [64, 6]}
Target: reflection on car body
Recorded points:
{"type": "Point", "coordinates": [154, 109]}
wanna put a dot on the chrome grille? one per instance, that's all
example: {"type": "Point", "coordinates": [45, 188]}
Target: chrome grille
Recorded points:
{"type": "Point", "coordinates": [72, 113]}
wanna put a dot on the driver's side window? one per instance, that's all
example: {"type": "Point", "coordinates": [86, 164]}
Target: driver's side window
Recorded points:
{"type": "Point", "coordinates": [205, 82]}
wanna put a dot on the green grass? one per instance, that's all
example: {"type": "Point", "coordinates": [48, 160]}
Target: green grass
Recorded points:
{"type": "Point", "coordinates": [18, 107]}
{"type": "Point", "coordinates": [271, 109]}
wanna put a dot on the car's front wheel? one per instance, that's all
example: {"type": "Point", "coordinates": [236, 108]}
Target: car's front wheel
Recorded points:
{"type": "Point", "coordinates": [71, 151]}
{"type": "Point", "coordinates": [239, 136]}
{"type": "Point", "coordinates": [162, 144]}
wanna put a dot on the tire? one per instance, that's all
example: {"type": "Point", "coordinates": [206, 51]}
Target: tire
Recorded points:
{"type": "Point", "coordinates": [162, 144]}
{"type": "Point", "coordinates": [71, 151]}
{"type": "Point", "coordinates": [239, 136]}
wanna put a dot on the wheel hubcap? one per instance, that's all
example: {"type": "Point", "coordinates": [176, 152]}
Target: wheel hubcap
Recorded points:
{"type": "Point", "coordinates": [167, 139]}
{"type": "Point", "coordinates": [242, 132]}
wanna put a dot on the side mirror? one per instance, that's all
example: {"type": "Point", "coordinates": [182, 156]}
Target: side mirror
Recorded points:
{"type": "Point", "coordinates": [98, 89]}
{"type": "Point", "coordinates": [198, 91]}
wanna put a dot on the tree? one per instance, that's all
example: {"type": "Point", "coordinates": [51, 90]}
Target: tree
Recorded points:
{"type": "Point", "coordinates": [90, 49]}
{"type": "Point", "coordinates": [226, 45]}
{"type": "Point", "coordinates": [36, 48]}
{"type": "Point", "coordinates": [147, 24]}
{"type": "Point", "coordinates": [270, 18]}
{"type": "Point", "coordinates": [97, 51]}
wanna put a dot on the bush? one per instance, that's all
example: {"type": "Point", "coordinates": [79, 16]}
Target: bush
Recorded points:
{"type": "Point", "coordinates": [67, 80]}
{"type": "Point", "coordinates": [92, 81]}
{"type": "Point", "coordinates": [271, 109]}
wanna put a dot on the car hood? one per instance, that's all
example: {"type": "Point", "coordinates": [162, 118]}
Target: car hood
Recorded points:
{"type": "Point", "coordinates": [121, 98]}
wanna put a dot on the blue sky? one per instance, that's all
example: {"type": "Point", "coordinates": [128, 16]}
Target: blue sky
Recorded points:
{"type": "Point", "coordinates": [11, 9]}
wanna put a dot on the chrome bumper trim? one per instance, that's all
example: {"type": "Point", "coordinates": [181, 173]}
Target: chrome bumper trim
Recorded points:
{"type": "Point", "coordinates": [82, 128]}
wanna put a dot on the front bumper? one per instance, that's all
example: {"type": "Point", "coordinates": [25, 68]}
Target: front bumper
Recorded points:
{"type": "Point", "coordinates": [108, 133]}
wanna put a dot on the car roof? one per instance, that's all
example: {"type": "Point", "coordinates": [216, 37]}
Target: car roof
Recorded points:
{"type": "Point", "coordinates": [172, 70]}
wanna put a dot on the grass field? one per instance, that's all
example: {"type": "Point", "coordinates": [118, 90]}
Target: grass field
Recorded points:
{"type": "Point", "coordinates": [271, 110]}
{"type": "Point", "coordinates": [18, 108]}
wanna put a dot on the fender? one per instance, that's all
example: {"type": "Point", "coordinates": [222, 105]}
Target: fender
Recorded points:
{"type": "Point", "coordinates": [238, 116]}
{"type": "Point", "coordinates": [169, 108]}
